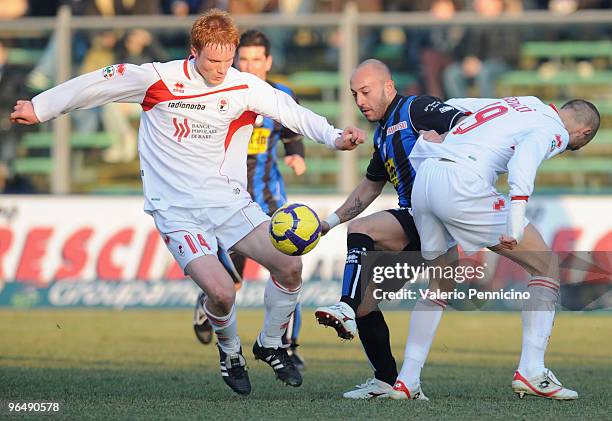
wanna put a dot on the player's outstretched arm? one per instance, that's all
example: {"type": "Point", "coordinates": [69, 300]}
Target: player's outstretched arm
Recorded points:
{"type": "Point", "coordinates": [360, 198]}
{"type": "Point", "coordinates": [23, 113]}
{"type": "Point", "coordinates": [117, 83]}
{"type": "Point", "coordinates": [279, 106]}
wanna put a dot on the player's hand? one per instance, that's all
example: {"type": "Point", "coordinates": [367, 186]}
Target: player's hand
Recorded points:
{"type": "Point", "coordinates": [431, 136]}
{"type": "Point", "coordinates": [23, 113]}
{"type": "Point", "coordinates": [324, 228]}
{"type": "Point", "coordinates": [507, 243]}
{"type": "Point", "coordinates": [350, 139]}
{"type": "Point", "coordinates": [296, 163]}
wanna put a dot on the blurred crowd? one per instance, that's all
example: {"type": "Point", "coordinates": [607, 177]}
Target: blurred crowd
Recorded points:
{"type": "Point", "coordinates": [445, 61]}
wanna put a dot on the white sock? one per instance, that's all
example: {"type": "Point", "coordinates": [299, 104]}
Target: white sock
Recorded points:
{"type": "Point", "coordinates": [279, 304]}
{"type": "Point", "coordinates": [424, 322]}
{"type": "Point", "coordinates": [226, 328]}
{"type": "Point", "coordinates": [538, 316]}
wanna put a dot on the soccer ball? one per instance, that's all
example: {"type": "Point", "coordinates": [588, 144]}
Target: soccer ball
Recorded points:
{"type": "Point", "coordinates": [295, 229]}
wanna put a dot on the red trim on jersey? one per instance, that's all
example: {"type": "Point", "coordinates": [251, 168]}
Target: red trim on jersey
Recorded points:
{"type": "Point", "coordinates": [525, 198]}
{"type": "Point", "coordinates": [554, 108]}
{"type": "Point", "coordinates": [159, 92]}
{"type": "Point", "coordinates": [519, 377]}
{"type": "Point", "coordinates": [186, 68]}
{"type": "Point", "coordinates": [246, 118]}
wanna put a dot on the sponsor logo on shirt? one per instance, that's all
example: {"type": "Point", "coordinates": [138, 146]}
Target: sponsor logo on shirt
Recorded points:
{"type": "Point", "coordinates": [186, 106]}
{"type": "Point", "coordinates": [445, 109]}
{"type": "Point", "coordinates": [390, 166]}
{"type": "Point", "coordinates": [397, 127]}
{"type": "Point", "coordinates": [179, 88]}
{"type": "Point", "coordinates": [182, 129]}
{"type": "Point", "coordinates": [110, 72]}
{"type": "Point", "coordinates": [223, 105]}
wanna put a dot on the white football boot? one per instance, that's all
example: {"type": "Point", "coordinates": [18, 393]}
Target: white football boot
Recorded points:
{"type": "Point", "coordinates": [371, 389]}
{"type": "Point", "coordinates": [400, 391]}
{"type": "Point", "coordinates": [546, 385]}
{"type": "Point", "coordinates": [341, 317]}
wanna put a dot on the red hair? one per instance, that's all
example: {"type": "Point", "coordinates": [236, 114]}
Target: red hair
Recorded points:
{"type": "Point", "coordinates": [215, 27]}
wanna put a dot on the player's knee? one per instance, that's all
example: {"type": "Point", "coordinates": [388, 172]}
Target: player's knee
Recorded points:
{"type": "Point", "coordinates": [544, 263]}
{"type": "Point", "coordinates": [223, 299]}
{"type": "Point", "coordinates": [289, 273]}
{"type": "Point", "coordinates": [358, 226]}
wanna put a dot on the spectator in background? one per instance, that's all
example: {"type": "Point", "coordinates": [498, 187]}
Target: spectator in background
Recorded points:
{"type": "Point", "coordinates": [116, 7]}
{"type": "Point", "coordinates": [483, 54]}
{"type": "Point", "coordinates": [43, 7]}
{"type": "Point", "coordinates": [13, 9]}
{"type": "Point", "coordinates": [11, 89]}
{"type": "Point", "coordinates": [239, 7]}
{"type": "Point", "coordinates": [192, 7]}
{"type": "Point", "coordinates": [139, 47]}
{"type": "Point", "coordinates": [14, 184]}
{"type": "Point", "coordinates": [438, 45]}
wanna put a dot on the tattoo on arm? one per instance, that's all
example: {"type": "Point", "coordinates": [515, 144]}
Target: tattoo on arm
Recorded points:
{"type": "Point", "coordinates": [354, 210]}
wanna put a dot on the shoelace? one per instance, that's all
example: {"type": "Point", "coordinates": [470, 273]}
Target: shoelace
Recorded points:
{"type": "Point", "coordinates": [235, 368]}
{"type": "Point", "coordinates": [283, 357]}
{"type": "Point", "coordinates": [550, 376]}
{"type": "Point", "coordinates": [368, 382]}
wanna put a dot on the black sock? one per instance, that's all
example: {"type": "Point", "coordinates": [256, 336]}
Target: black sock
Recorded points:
{"type": "Point", "coordinates": [374, 335]}
{"type": "Point", "coordinates": [357, 246]}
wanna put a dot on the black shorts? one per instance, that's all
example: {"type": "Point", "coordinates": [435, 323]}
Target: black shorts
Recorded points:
{"type": "Point", "coordinates": [407, 222]}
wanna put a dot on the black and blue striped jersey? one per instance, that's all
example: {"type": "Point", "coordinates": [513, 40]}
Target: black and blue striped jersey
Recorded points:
{"type": "Point", "coordinates": [265, 182]}
{"type": "Point", "coordinates": [396, 134]}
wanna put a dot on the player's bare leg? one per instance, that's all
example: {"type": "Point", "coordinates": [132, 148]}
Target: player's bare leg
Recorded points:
{"type": "Point", "coordinates": [358, 310]}
{"type": "Point", "coordinates": [281, 295]}
{"type": "Point", "coordinates": [220, 309]}
{"type": "Point", "coordinates": [532, 377]}
{"type": "Point", "coordinates": [201, 323]}
{"type": "Point", "coordinates": [380, 231]}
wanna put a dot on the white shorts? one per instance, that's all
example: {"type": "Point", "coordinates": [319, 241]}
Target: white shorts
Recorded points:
{"type": "Point", "coordinates": [191, 233]}
{"type": "Point", "coordinates": [453, 205]}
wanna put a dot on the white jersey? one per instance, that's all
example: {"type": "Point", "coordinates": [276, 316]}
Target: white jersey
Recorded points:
{"type": "Point", "coordinates": [193, 137]}
{"type": "Point", "coordinates": [508, 135]}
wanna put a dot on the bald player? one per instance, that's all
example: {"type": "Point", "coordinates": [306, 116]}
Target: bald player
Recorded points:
{"type": "Point", "coordinates": [398, 122]}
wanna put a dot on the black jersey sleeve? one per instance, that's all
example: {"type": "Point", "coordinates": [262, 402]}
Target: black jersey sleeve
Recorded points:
{"type": "Point", "coordinates": [430, 113]}
{"type": "Point", "coordinates": [376, 168]}
{"type": "Point", "coordinates": [295, 146]}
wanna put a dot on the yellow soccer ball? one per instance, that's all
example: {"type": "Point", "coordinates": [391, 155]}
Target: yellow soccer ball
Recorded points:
{"type": "Point", "coordinates": [295, 229]}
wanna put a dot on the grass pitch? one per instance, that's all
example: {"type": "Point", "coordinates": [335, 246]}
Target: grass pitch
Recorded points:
{"type": "Point", "coordinates": [104, 364]}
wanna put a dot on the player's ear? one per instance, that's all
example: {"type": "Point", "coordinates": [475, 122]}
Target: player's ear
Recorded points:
{"type": "Point", "coordinates": [193, 51]}
{"type": "Point", "coordinates": [268, 62]}
{"type": "Point", "coordinates": [389, 86]}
